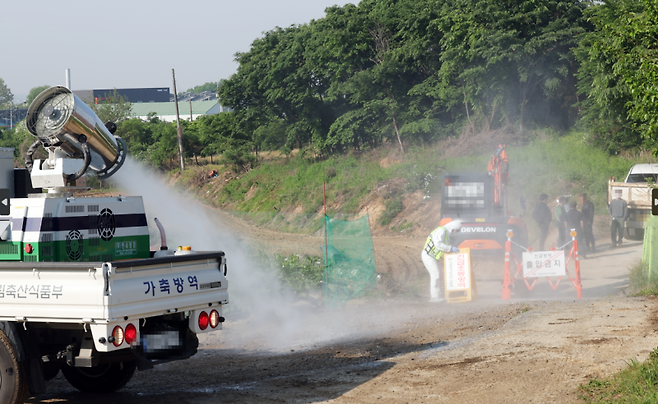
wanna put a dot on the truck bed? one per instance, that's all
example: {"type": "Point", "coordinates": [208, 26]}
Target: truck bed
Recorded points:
{"type": "Point", "coordinates": [97, 292]}
{"type": "Point", "coordinates": [637, 195]}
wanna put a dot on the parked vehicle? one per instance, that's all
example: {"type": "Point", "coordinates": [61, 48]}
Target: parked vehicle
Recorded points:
{"type": "Point", "coordinates": [636, 191]}
{"type": "Point", "coordinates": [80, 290]}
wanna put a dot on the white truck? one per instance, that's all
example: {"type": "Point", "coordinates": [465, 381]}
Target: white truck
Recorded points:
{"type": "Point", "coordinates": [636, 191]}
{"type": "Point", "coordinates": [80, 290]}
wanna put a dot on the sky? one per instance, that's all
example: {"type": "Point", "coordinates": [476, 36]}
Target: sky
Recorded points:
{"type": "Point", "coordinates": [133, 44]}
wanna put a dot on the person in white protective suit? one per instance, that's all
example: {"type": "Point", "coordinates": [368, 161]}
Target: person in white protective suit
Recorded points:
{"type": "Point", "coordinates": [438, 243]}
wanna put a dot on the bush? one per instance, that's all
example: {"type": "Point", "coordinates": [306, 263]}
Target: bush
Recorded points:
{"type": "Point", "coordinates": [393, 207]}
{"type": "Point", "coordinates": [640, 280]}
{"type": "Point", "coordinates": [239, 158]}
{"type": "Point", "coordinates": [302, 274]}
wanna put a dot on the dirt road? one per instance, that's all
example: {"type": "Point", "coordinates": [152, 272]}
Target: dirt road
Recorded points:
{"type": "Point", "coordinates": [402, 349]}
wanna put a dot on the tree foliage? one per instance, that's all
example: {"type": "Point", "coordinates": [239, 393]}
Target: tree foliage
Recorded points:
{"type": "Point", "coordinates": [408, 71]}
{"type": "Point", "coordinates": [114, 108]}
{"type": "Point", "coordinates": [619, 74]}
{"type": "Point", "coordinates": [34, 92]}
{"type": "Point", "coordinates": [6, 96]}
{"type": "Point", "coordinates": [154, 142]}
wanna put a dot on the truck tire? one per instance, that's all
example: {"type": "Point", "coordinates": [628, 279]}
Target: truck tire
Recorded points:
{"type": "Point", "coordinates": [104, 378]}
{"type": "Point", "coordinates": [634, 234]}
{"type": "Point", "coordinates": [13, 386]}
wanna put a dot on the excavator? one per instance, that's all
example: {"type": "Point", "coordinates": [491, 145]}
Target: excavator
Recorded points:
{"type": "Point", "coordinates": [479, 201]}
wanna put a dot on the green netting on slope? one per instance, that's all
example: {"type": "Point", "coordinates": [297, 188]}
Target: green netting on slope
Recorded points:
{"type": "Point", "coordinates": [650, 249]}
{"type": "Point", "coordinates": [349, 260]}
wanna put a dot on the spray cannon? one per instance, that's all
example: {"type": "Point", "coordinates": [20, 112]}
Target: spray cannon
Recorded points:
{"type": "Point", "coordinates": [75, 138]}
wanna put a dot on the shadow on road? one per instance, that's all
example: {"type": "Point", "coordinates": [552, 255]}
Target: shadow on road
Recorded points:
{"type": "Point", "coordinates": [234, 376]}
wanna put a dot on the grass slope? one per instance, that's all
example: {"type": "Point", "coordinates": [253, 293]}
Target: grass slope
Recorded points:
{"type": "Point", "coordinates": [554, 165]}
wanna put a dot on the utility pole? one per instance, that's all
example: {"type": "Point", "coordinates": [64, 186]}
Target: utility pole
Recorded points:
{"type": "Point", "coordinates": [179, 129]}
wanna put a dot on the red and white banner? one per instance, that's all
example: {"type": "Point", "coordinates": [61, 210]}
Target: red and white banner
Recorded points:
{"type": "Point", "coordinates": [543, 263]}
{"type": "Point", "coordinates": [458, 271]}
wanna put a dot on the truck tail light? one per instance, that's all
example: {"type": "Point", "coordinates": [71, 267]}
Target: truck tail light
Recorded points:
{"type": "Point", "coordinates": [117, 334]}
{"type": "Point", "coordinates": [203, 320]}
{"type": "Point", "coordinates": [131, 334]}
{"type": "Point", "coordinates": [214, 319]}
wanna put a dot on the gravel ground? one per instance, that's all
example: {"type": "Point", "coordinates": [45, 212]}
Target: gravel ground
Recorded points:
{"type": "Point", "coordinates": [535, 348]}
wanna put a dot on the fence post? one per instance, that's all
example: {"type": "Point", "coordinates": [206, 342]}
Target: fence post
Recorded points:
{"type": "Point", "coordinates": [507, 293]}
{"type": "Point", "coordinates": [579, 287]}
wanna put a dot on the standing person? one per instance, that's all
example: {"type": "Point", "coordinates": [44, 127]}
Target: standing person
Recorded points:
{"type": "Point", "coordinates": [560, 221]}
{"type": "Point", "coordinates": [438, 243]}
{"type": "Point", "coordinates": [618, 209]}
{"type": "Point", "coordinates": [587, 208]}
{"type": "Point", "coordinates": [543, 216]}
{"type": "Point", "coordinates": [575, 222]}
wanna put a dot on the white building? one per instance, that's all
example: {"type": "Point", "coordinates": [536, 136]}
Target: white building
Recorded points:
{"type": "Point", "coordinates": [166, 111]}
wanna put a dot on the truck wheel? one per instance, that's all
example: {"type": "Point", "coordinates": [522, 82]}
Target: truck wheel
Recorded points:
{"type": "Point", "coordinates": [634, 234]}
{"type": "Point", "coordinates": [104, 378]}
{"type": "Point", "coordinates": [13, 386]}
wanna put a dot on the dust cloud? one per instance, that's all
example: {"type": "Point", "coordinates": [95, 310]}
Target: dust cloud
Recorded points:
{"type": "Point", "coordinates": [261, 312]}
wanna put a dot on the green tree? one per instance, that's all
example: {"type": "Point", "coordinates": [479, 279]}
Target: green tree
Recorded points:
{"type": "Point", "coordinates": [114, 108]}
{"type": "Point", "coordinates": [379, 79]}
{"type": "Point", "coordinates": [6, 97]}
{"type": "Point", "coordinates": [20, 140]}
{"type": "Point", "coordinates": [620, 73]}
{"type": "Point", "coordinates": [605, 94]}
{"type": "Point", "coordinates": [509, 62]}
{"type": "Point", "coordinates": [138, 135]}
{"type": "Point", "coordinates": [638, 65]}
{"type": "Point", "coordinates": [34, 92]}
{"type": "Point", "coordinates": [163, 152]}
{"type": "Point", "coordinates": [274, 83]}
{"type": "Point", "coordinates": [220, 134]}
{"type": "Point", "coordinates": [215, 132]}
{"type": "Point", "coordinates": [409, 71]}
{"type": "Point", "coordinates": [153, 142]}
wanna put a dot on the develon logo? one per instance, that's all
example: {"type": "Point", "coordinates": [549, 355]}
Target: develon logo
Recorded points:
{"type": "Point", "coordinates": [478, 229]}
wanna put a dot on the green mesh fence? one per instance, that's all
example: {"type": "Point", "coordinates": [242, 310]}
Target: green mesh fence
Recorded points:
{"type": "Point", "coordinates": [349, 271]}
{"type": "Point", "coordinates": [349, 260]}
{"type": "Point", "coordinates": [650, 250]}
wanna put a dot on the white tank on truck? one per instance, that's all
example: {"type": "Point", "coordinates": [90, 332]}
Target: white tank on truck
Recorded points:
{"type": "Point", "coordinates": [80, 290]}
{"type": "Point", "coordinates": [636, 191]}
